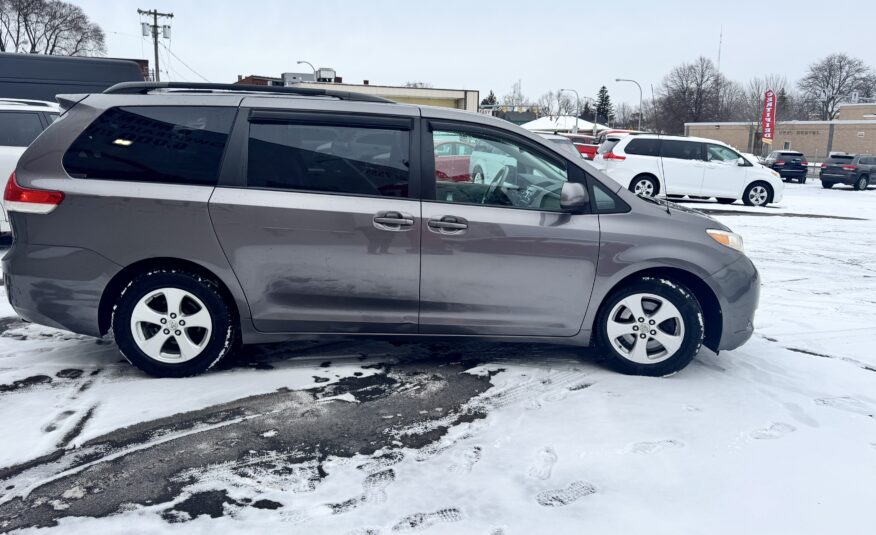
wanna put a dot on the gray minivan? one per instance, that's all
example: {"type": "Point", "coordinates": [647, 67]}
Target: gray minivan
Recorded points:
{"type": "Point", "coordinates": [191, 218]}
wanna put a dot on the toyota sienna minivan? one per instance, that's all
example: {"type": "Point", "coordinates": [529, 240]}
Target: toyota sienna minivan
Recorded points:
{"type": "Point", "coordinates": [190, 218]}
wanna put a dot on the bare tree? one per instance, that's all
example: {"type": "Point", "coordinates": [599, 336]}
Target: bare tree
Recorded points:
{"type": "Point", "coordinates": [693, 92]}
{"type": "Point", "coordinates": [419, 85]}
{"type": "Point", "coordinates": [554, 103]}
{"type": "Point", "coordinates": [515, 98]}
{"type": "Point", "coordinates": [48, 27]}
{"type": "Point", "coordinates": [833, 80]}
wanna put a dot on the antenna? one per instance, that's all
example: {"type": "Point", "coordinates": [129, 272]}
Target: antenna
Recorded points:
{"type": "Point", "coordinates": [656, 115]}
{"type": "Point", "coordinates": [720, 42]}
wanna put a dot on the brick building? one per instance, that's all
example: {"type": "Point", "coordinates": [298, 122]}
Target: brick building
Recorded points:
{"type": "Point", "coordinates": [853, 131]}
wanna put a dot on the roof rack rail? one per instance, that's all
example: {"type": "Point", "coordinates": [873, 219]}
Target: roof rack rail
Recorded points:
{"type": "Point", "coordinates": [143, 88]}
{"type": "Point", "coordinates": [27, 102]}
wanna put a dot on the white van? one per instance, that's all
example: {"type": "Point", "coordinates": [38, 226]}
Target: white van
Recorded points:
{"type": "Point", "coordinates": [21, 121]}
{"type": "Point", "coordinates": [650, 164]}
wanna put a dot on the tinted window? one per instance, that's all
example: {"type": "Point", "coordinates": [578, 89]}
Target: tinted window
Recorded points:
{"type": "Point", "coordinates": [19, 128]}
{"type": "Point", "coordinates": [498, 172]}
{"type": "Point", "coordinates": [682, 150]}
{"type": "Point", "coordinates": [180, 145]}
{"type": "Point", "coordinates": [791, 155]}
{"type": "Point", "coordinates": [643, 147]}
{"type": "Point", "coordinates": [335, 159]}
{"type": "Point", "coordinates": [606, 146]}
{"type": "Point", "coordinates": [841, 158]}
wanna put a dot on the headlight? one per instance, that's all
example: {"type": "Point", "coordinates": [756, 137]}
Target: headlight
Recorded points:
{"type": "Point", "coordinates": [729, 239]}
{"type": "Point", "coordinates": [775, 174]}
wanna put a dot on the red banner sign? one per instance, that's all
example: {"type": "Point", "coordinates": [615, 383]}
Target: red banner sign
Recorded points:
{"type": "Point", "coordinates": [768, 118]}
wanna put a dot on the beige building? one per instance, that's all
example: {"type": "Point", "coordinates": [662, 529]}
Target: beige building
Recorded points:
{"type": "Point", "coordinates": [853, 131]}
{"type": "Point", "coordinates": [461, 99]}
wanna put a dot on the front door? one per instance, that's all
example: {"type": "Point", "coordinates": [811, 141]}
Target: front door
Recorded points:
{"type": "Point", "coordinates": [322, 229]}
{"type": "Point", "coordinates": [683, 166]}
{"type": "Point", "coordinates": [500, 257]}
{"type": "Point", "coordinates": [723, 177]}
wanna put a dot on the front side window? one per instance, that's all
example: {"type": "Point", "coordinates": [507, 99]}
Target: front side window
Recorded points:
{"type": "Point", "coordinates": [350, 160]}
{"type": "Point", "coordinates": [681, 150]}
{"type": "Point", "coordinates": [718, 153]}
{"type": "Point", "coordinates": [496, 172]}
{"type": "Point", "coordinates": [169, 144]}
{"type": "Point", "coordinates": [19, 128]}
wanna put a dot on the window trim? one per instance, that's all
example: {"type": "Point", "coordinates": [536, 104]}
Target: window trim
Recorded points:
{"type": "Point", "coordinates": [234, 175]}
{"type": "Point", "coordinates": [429, 184]}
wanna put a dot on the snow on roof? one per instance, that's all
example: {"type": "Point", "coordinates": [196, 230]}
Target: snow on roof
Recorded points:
{"type": "Point", "coordinates": [562, 123]}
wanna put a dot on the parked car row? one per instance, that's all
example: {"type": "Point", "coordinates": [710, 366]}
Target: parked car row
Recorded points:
{"type": "Point", "coordinates": [856, 170]}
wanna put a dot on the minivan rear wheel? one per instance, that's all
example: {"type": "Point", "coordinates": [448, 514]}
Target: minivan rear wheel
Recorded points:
{"type": "Point", "coordinates": [172, 323]}
{"type": "Point", "coordinates": [650, 327]}
{"type": "Point", "coordinates": [646, 186]}
{"type": "Point", "coordinates": [757, 194]}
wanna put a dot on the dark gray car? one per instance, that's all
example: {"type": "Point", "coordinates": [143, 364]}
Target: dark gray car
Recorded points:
{"type": "Point", "coordinates": [191, 219]}
{"type": "Point", "coordinates": [853, 170]}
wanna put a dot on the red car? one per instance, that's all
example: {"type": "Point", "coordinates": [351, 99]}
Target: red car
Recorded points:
{"type": "Point", "coordinates": [585, 144]}
{"type": "Point", "coordinates": [453, 161]}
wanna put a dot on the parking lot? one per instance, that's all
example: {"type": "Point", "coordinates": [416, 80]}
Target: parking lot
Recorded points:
{"type": "Point", "coordinates": [388, 436]}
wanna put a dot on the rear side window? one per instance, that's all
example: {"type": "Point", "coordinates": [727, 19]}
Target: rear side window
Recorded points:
{"type": "Point", "coordinates": [332, 159]}
{"type": "Point", "coordinates": [606, 146]}
{"type": "Point", "coordinates": [19, 128]}
{"type": "Point", "coordinates": [169, 144]}
{"type": "Point", "coordinates": [682, 150]}
{"type": "Point", "coordinates": [643, 147]}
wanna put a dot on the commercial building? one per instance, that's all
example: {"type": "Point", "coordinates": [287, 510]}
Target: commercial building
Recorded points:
{"type": "Point", "coordinates": [853, 131]}
{"type": "Point", "coordinates": [461, 99]}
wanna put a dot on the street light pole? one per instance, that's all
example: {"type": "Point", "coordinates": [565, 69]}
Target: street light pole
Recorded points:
{"type": "Point", "coordinates": [311, 68]}
{"type": "Point", "coordinates": [577, 108]}
{"type": "Point", "coordinates": [641, 109]}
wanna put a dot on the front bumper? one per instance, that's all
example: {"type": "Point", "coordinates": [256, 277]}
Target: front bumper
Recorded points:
{"type": "Point", "coordinates": [737, 287]}
{"type": "Point", "coordinates": [57, 286]}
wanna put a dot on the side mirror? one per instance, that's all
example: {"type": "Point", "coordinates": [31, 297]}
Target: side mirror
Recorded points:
{"type": "Point", "coordinates": [742, 162]}
{"type": "Point", "coordinates": [574, 197]}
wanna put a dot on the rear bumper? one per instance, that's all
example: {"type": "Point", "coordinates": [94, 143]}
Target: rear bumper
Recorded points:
{"type": "Point", "coordinates": [791, 173]}
{"type": "Point", "coordinates": [57, 286]}
{"type": "Point", "coordinates": [838, 179]}
{"type": "Point", "coordinates": [737, 287]}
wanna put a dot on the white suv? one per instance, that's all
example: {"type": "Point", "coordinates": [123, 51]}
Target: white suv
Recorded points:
{"type": "Point", "coordinates": [21, 121]}
{"type": "Point", "coordinates": [651, 164]}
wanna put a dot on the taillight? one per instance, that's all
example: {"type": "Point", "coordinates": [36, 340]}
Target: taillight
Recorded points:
{"type": "Point", "coordinates": [612, 156]}
{"type": "Point", "coordinates": [31, 201]}
{"type": "Point", "coordinates": [850, 167]}
{"type": "Point", "coordinates": [804, 163]}
{"type": "Point", "coordinates": [779, 162]}
{"type": "Point", "coordinates": [824, 166]}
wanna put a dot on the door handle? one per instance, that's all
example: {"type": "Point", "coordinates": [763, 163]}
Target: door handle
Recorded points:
{"type": "Point", "coordinates": [448, 224]}
{"type": "Point", "coordinates": [393, 221]}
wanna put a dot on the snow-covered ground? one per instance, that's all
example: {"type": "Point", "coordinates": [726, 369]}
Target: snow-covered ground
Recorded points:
{"type": "Point", "coordinates": [776, 437]}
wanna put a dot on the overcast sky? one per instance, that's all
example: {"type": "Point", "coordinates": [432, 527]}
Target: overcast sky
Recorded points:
{"type": "Point", "coordinates": [487, 45]}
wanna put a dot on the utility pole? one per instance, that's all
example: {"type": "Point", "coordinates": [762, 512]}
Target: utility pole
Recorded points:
{"type": "Point", "coordinates": [154, 30]}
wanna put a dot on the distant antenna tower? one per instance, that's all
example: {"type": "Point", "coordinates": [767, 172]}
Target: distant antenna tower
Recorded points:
{"type": "Point", "coordinates": [720, 42]}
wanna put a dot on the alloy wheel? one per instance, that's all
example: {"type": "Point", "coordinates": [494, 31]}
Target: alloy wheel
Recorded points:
{"type": "Point", "coordinates": [758, 195]}
{"type": "Point", "coordinates": [171, 325]}
{"type": "Point", "coordinates": [645, 328]}
{"type": "Point", "coordinates": [644, 187]}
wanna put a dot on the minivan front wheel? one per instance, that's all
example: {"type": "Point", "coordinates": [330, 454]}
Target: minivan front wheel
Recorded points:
{"type": "Point", "coordinates": [173, 324]}
{"type": "Point", "coordinates": [757, 194]}
{"type": "Point", "coordinates": [645, 186]}
{"type": "Point", "coordinates": [650, 327]}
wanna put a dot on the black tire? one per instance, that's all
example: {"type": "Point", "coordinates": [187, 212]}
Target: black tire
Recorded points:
{"type": "Point", "coordinates": [746, 196]}
{"type": "Point", "coordinates": [862, 182]}
{"type": "Point", "coordinates": [690, 311]}
{"type": "Point", "coordinates": [725, 200]}
{"type": "Point", "coordinates": [826, 185]}
{"type": "Point", "coordinates": [802, 180]}
{"type": "Point", "coordinates": [655, 185]}
{"type": "Point", "coordinates": [475, 173]}
{"type": "Point", "coordinates": [222, 338]}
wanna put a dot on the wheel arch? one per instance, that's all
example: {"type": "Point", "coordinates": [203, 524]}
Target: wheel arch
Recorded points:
{"type": "Point", "coordinates": [121, 279]}
{"type": "Point", "coordinates": [712, 314]}
{"type": "Point", "coordinates": [770, 189]}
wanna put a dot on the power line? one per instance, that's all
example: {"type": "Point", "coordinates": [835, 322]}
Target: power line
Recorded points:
{"type": "Point", "coordinates": [184, 63]}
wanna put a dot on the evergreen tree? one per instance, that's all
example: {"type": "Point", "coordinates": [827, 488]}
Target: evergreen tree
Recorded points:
{"type": "Point", "coordinates": [586, 112]}
{"type": "Point", "coordinates": [604, 107]}
{"type": "Point", "coordinates": [490, 100]}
